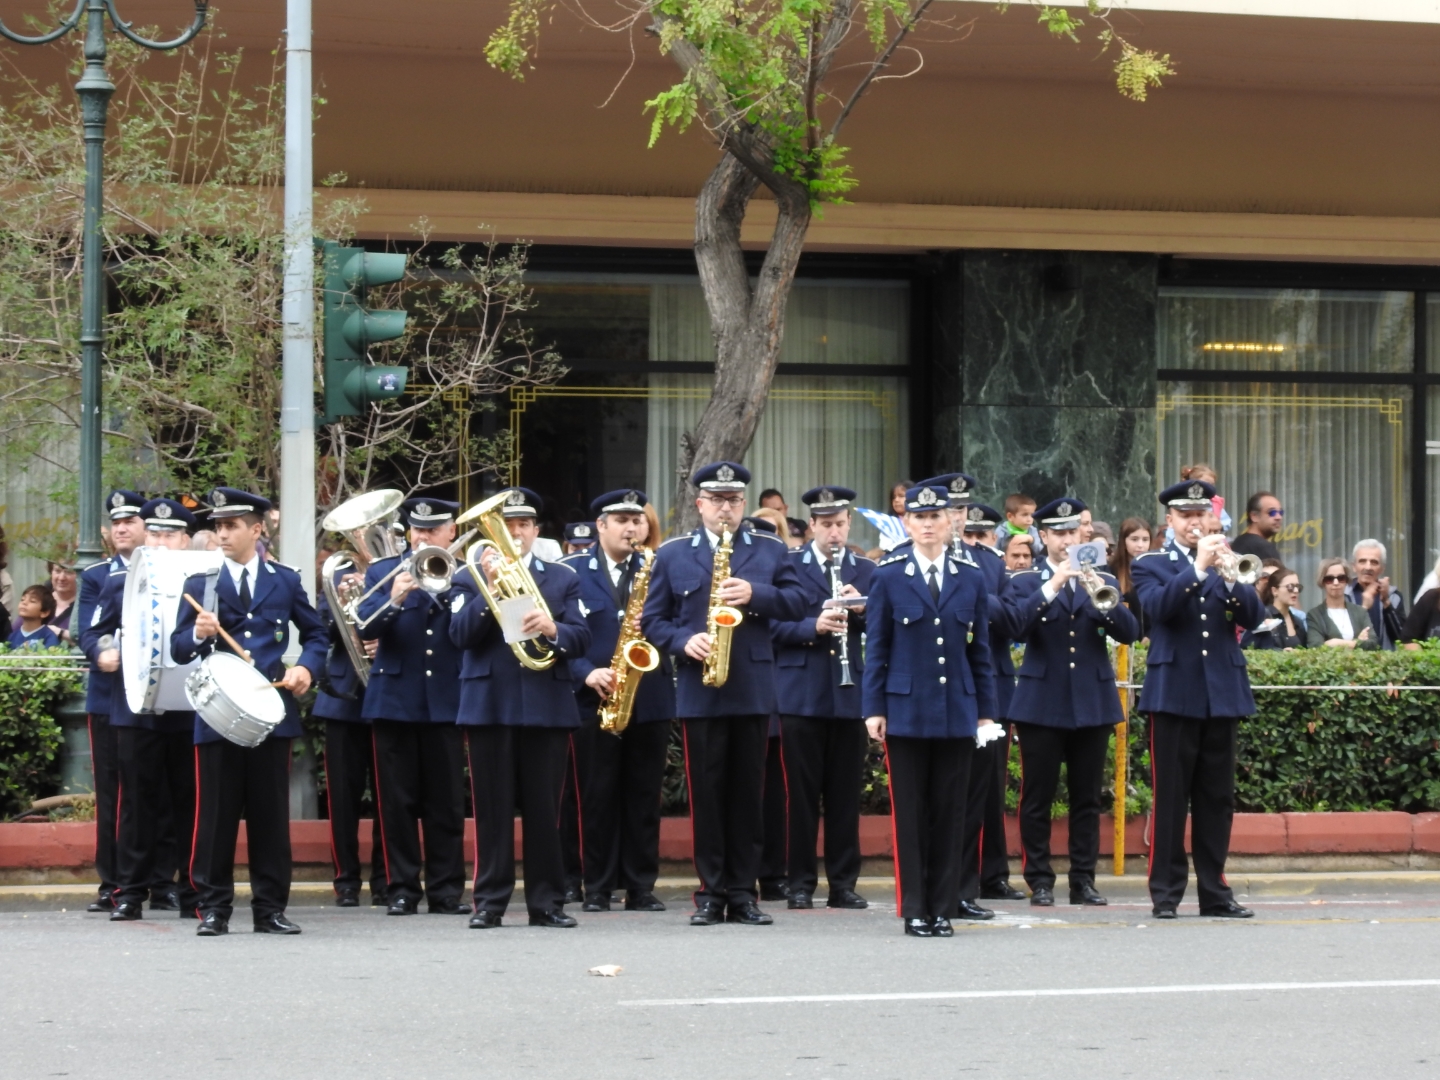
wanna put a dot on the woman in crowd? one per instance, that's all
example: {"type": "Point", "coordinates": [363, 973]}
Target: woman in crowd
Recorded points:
{"type": "Point", "coordinates": [63, 583]}
{"type": "Point", "coordinates": [1424, 618]}
{"type": "Point", "coordinates": [1135, 536]}
{"type": "Point", "coordinates": [650, 538]}
{"type": "Point", "coordinates": [1290, 630]}
{"type": "Point", "coordinates": [1337, 623]}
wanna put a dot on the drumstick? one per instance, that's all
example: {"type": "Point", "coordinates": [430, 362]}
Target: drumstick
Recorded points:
{"type": "Point", "coordinates": [228, 639]}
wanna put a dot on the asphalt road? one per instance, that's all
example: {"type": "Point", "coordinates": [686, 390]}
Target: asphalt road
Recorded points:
{"type": "Point", "coordinates": [1066, 992]}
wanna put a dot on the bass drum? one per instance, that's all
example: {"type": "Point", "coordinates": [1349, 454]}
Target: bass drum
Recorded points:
{"type": "Point", "coordinates": [153, 681]}
{"type": "Point", "coordinates": [234, 699]}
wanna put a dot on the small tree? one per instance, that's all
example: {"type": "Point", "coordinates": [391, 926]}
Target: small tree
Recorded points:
{"type": "Point", "coordinates": [757, 74]}
{"type": "Point", "coordinates": [194, 243]}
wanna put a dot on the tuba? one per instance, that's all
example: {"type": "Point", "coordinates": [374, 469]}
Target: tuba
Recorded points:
{"type": "Point", "coordinates": [722, 620]}
{"type": "Point", "coordinates": [366, 522]}
{"type": "Point", "coordinates": [634, 656]}
{"type": "Point", "coordinates": [511, 578]}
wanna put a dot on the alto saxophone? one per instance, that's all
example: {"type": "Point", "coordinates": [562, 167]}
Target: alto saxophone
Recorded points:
{"type": "Point", "coordinates": [722, 620]}
{"type": "Point", "coordinates": [634, 656]}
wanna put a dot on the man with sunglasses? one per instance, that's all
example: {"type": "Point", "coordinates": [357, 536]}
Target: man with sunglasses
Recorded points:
{"type": "Point", "coordinates": [1265, 517]}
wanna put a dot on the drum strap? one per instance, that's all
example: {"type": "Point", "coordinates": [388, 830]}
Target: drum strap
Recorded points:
{"type": "Point", "coordinates": [212, 585]}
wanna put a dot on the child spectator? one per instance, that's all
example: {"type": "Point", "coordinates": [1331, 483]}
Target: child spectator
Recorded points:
{"type": "Point", "coordinates": [37, 608]}
{"type": "Point", "coordinates": [1020, 518]}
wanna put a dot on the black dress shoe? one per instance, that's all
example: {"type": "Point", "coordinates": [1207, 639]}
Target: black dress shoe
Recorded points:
{"type": "Point", "coordinates": [645, 901]}
{"type": "Point", "coordinates": [556, 919]}
{"type": "Point", "coordinates": [101, 905]}
{"type": "Point", "coordinates": [212, 924]}
{"type": "Point", "coordinates": [275, 924]}
{"type": "Point", "coordinates": [1002, 891]}
{"type": "Point", "coordinates": [919, 928]}
{"type": "Point", "coordinates": [126, 912]}
{"type": "Point", "coordinates": [596, 902]}
{"type": "Point", "coordinates": [1228, 910]}
{"type": "Point", "coordinates": [748, 913]}
{"type": "Point", "coordinates": [1086, 896]}
{"type": "Point", "coordinates": [708, 915]}
{"type": "Point", "coordinates": [378, 899]}
{"type": "Point", "coordinates": [169, 900]}
{"type": "Point", "coordinates": [969, 909]}
{"type": "Point", "coordinates": [573, 894]}
{"type": "Point", "coordinates": [348, 898]}
{"type": "Point", "coordinates": [776, 890]}
{"type": "Point", "coordinates": [800, 901]}
{"type": "Point", "coordinates": [484, 920]}
{"type": "Point", "coordinates": [1042, 897]}
{"type": "Point", "coordinates": [402, 905]}
{"type": "Point", "coordinates": [941, 928]}
{"type": "Point", "coordinates": [1164, 911]}
{"type": "Point", "coordinates": [448, 907]}
{"type": "Point", "coordinates": [848, 899]}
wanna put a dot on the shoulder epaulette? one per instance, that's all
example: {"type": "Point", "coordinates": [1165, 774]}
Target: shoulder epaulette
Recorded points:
{"type": "Point", "coordinates": [273, 563]}
{"type": "Point", "coordinates": [767, 536]}
{"type": "Point", "coordinates": [893, 559]}
{"type": "Point", "coordinates": [677, 539]}
{"type": "Point", "coordinates": [1021, 573]}
{"type": "Point", "coordinates": [559, 564]}
{"type": "Point", "coordinates": [575, 555]}
{"type": "Point", "coordinates": [862, 558]}
{"type": "Point", "coordinates": [991, 550]}
{"type": "Point", "coordinates": [1147, 554]}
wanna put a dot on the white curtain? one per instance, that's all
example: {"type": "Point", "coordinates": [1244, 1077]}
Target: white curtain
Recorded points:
{"type": "Point", "coordinates": [816, 430]}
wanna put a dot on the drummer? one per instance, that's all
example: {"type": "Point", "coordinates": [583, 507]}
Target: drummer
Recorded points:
{"type": "Point", "coordinates": [254, 601]}
{"type": "Point", "coordinates": [157, 773]}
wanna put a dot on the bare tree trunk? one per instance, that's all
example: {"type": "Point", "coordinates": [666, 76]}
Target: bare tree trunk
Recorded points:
{"type": "Point", "coordinates": [747, 321]}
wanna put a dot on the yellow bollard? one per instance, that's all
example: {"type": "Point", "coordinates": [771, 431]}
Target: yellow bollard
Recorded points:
{"type": "Point", "coordinates": [1122, 671]}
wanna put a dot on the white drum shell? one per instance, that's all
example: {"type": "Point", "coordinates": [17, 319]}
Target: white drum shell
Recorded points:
{"type": "Point", "coordinates": [153, 681]}
{"type": "Point", "coordinates": [235, 699]}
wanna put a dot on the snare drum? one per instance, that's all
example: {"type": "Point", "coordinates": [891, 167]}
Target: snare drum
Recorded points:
{"type": "Point", "coordinates": [153, 681]}
{"type": "Point", "coordinates": [235, 699]}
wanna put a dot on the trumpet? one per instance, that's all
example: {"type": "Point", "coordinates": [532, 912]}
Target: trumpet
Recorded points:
{"type": "Point", "coordinates": [511, 579]}
{"type": "Point", "coordinates": [722, 620]}
{"type": "Point", "coordinates": [1235, 568]}
{"type": "Point", "coordinates": [1103, 596]}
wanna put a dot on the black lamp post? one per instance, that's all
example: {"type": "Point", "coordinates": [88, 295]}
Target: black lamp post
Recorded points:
{"type": "Point", "coordinates": [95, 89]}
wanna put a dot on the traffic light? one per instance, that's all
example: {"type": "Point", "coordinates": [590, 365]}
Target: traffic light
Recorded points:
{"type": "Point", "coordinates": [351, 382]}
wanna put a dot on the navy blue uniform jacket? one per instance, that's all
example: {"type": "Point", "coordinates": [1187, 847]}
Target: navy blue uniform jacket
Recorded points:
{"type": "Point", "coordinates": [678, 608]}
{"type": "Point", "coordinates": [93, 620]}
{"type": "Point", "coordinates": [807, 667]}
{"type": "Point", "coordinates": [1002, 630]}
{"type": "Point", "coordinates": [928, 669]}
{"type": "Point", "coordinates": [1194, 666]}
{"type": "Point", "coordinates": [416, 671]}
{"type": "Point", "coordinates": [494, 687]}
{"type": "Point", "coordinates": [276, 600]}
{"type": "Point", "coordinates": [339, 672]}
{"type": "Point", "coordinates": [1066, 679]}
{"type": "Point", "coordinates": [655, 699]}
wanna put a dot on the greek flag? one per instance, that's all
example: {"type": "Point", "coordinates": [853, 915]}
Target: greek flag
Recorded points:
{"type": "Point", "coordinates": [892, 532]}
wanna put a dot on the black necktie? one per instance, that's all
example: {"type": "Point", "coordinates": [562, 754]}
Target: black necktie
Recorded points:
{"type": "Point", "coordinates": [245, 589]}
{"type": "Point", "coordinates": [934, 575]}
{"type": "Point", "coordinates": [622, 587]}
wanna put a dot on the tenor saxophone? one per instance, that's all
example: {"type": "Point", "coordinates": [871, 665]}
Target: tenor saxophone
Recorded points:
{"type": "Point", "coordinates": [722, 619]}
{"type": "Point", "coordinates": [634, 656]}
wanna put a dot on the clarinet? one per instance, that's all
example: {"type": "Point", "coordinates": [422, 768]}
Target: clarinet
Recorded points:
{"type": "Point", "coordinates": [835, 587]}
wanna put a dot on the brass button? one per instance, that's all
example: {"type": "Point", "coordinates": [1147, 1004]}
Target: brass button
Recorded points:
{"type": "Point", "coordinates": [428, 632]}
{"type": "Point", "coordinates": [427, 673]}
{"type": "Point", "coordinates": [942, 659]}
{"type": "Point", "coordinates": [1202, 618]}
{"type": "Point", "coordinates": [937, 622]}
{"type": "Point", "coordinates": [1072, 648]}
{"type": "Point", "coordinates": [429, 652]}
{"type": "Point", "coordinates": [1204, 633]}
{"type": "Point", "coordinates": [1072, 633]}
{"type": "Point", "coordinates": [906, 622]}
{"type": "Point", "coordinates": [1204, 652]}
{"type": "Point", "coordinates": [1072, 667]}
{"type": "Point", "coordinates": [942, 680]}
{"type": "Point", "coordinates": [247, 633]}
{"type": "Point", "coordinates": [939, 641]}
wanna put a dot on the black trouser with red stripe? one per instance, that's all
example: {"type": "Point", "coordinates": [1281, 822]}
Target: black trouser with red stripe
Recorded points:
{"type": "Point", "coordinates": [774, 810]}
{"type": "Point", "coordinates": [524, 767]}
{"type": "Point", "coordinates": [105, 767]}
{"type": "Point", "coordinates": [984, 858]}
{"type": "Point", "coordinates": [620, 780]}
{"type": "Point", "coordinates": [928, 782]}
{"type": "Point", "coordinates": [157, 781]}
{"type": "Point", "coordinates": [1192, 763]}
{"type": "Point", "coordinates": [1042, 750]}
{"type": "Point", "coordinates": [234, 782]}
{"type": "Point", "coordinates": [421, 772]}
{"type": "Point", "coordinates": [349, 767]}
{"type": "Point", "coordinates": [824, 761]}
{"type": "Point", "coordinates": [725, 774]}
{"type": "Point", "coordinates": [571, 853]}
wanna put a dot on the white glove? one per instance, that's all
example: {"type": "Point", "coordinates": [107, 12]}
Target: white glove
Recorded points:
{"type": "Point", "coordinates": [988, 733]}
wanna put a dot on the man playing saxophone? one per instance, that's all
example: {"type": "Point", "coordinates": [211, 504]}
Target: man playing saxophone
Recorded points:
{"type": "Point", "coordinates": [620, 772]}
{"type": "Point", "coordinates": [726, 721]}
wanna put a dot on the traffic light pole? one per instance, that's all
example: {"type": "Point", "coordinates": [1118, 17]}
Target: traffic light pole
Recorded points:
{"type": "Point", "coordinates": [297, 395]}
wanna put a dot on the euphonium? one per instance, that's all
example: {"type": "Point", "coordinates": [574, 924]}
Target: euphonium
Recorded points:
{"type": "Point", "coordinates": [509, 577]}
{"type": "Point", "coordinates": [722, 620]}
{"type": "Point", "coordinates": [634, 656]}
{"type": "Point", "coordinates": [1105, 597]}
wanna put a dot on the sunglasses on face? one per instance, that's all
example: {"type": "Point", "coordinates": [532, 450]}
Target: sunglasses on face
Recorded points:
{"type": "Point", "coordinates": [1336, 579]}
{"type": "Point", "coordinates": [731, 500]}
{"type": "Point", "coordinates": [1277, 512]}
{"type": "Point", "coordinates": [1293, 587]}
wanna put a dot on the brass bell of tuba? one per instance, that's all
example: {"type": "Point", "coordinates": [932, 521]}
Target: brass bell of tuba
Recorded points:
{"type": "Point", "coordinates": [509, 577]}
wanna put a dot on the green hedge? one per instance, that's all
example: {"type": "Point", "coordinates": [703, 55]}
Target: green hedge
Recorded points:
{"type": "Point", "coordinates": [30, 739]}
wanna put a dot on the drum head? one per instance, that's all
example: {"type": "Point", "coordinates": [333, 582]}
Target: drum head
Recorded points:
{"type": "Point", "coordinates": [248, 690]}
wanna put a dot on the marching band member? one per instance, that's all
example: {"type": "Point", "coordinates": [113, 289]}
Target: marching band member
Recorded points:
{"type": "Point", "coordinates": [620, 773]}
{"type": "Point", "coordinates": [349, 756]}
{"type": "Point", "coordinates": [99, 627]}
{"type": "Point", "coordinates": [157, 768]}
{"type": "Point", "coordinates": [1066, 705]}
{"type": "Point", "coordinates": [928, 684]}
{"type": "Point", "coordinates": [518, 723]}
{"type": "Point", "coordinates": [255, 601]}
{"type": "Point", "coordinates": [818, 698]}
{"type": "Point", "coordinates": [725, 726]}
{"type": "Point", "coordinates": [412, 703]}
{"type": "Point", "coordinates": [1195, 691]}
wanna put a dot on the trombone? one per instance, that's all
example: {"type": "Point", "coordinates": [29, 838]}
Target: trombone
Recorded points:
{"type": "Point", "coordinates": [510, 577]}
